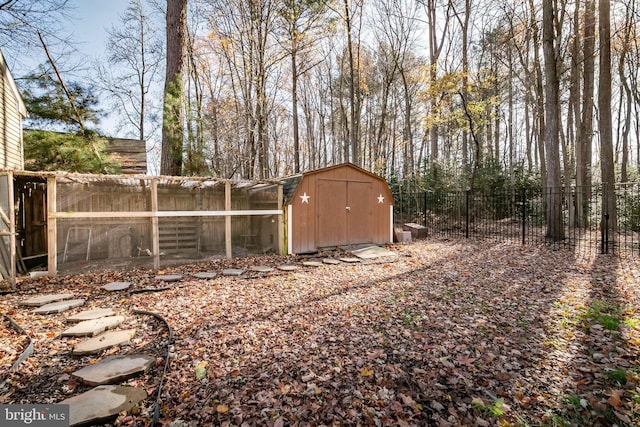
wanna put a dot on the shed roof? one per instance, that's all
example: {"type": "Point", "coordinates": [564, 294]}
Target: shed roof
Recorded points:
{"type": "Point", "coordinates": [291, 183]}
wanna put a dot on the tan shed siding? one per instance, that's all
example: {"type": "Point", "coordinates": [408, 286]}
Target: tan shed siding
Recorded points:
{"type": "Point", "coordinates": [306, 233]}
{"type": "Point", "coordinates": [303, 227]}
{"type": "Point", "coordinates": [381, 214]}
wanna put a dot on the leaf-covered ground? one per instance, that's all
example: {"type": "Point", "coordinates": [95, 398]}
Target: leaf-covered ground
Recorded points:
{"type": "Point", "coordinates": [448, 334]}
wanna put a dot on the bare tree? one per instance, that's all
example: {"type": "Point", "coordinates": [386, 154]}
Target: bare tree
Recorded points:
{"type": "Point", "coordinates": [21, 21]}
{"type": "Point", "coordinates": [302, 22]}
{"type": "Point", "coordinates": [134, 60]}
{"type": "Point", "coordinates": [437, 37]}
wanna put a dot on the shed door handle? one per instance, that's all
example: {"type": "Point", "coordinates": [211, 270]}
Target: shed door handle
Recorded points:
{"type": "Point", "coordinates": [348, 209]}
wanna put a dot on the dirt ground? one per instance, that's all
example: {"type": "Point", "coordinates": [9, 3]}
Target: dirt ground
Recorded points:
{"type": "Point", "coordinates": [448, 333]}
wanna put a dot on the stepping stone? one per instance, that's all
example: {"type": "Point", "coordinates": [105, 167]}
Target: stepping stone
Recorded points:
{"type": "Point", "coordinates": [371, 252]}
{"type": "Point", "coordinates": [45, 299]}
{"type": "Point", "coordinates": [93, 327]}
{"type": "Point", "coordinates": [331, 261]}
{"type": "Point", "coordinates": [59, 307]}
{"type": "Point", "coordinates": [350, 260]}
{"type": "Point", "coordinates": [102, 403]}
{"type": "Point", "coordinates": [206, 275]}
{"type": "Point", "coordinates": [312, 264]}
{"type": "Point", "coordinates": [114, 369]}
{"type": "Point", "coordinates": [116, 286]}
{"type": "Point", "coordinates": [232, 272]}
{"type": "Point", "coordinates": [261, 269]}
{"type": "Point", "coordinates": [91, 314]}
{"type": "Point", "coordinates": [169, 277]}
{"type": "Point", "coordinates": [288, 267]}
{"type": "Point", "coordinates": [103, 341]}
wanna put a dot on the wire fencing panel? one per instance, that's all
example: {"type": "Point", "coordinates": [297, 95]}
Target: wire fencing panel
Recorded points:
{"type": "Point", "coordinates": [521, 215]}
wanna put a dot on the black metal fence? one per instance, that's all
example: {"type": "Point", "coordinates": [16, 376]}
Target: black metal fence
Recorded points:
{"type": "Point", "coordinates": [520, 215]}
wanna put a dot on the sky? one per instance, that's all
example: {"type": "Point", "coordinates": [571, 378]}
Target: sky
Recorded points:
{"type": "Point", "coordinates": [88, 28]}
{"type": "Point", "coordinates": [94, 18]}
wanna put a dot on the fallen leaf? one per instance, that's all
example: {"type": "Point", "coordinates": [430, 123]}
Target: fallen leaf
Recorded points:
{"type": "Point", "coordinates": [366, 371]}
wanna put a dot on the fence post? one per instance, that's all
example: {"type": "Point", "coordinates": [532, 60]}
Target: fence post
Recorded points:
{"type": "Point", "coordinates": [466, 228]}
{"type": "Point", "coordinates": [524, 215]}
{"type": "Point", "coordinates": [424, 209]}
{"type": "Point", "coordinates": [604, 222]}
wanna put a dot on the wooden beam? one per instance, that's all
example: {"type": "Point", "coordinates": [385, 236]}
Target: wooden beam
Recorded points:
{"type": "Point", "coordinates": [227, 220]}
{"type": "Point", "coordinates": [280, 221]}
{"type": "Point", "coordinates": [165, 214]}
{"type": "Point", "coordinates": [12, 230]}
{"type": "Point", "coordinates": [52, 232]}
{"type": "Point", "coordinates": [155, 229]}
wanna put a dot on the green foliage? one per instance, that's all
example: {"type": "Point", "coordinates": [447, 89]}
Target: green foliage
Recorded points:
{"type": "Point", "coordinates": [49, 151]}
{"type": "Point", "coordinates": [605, 314]}
{"type": "Point", "coordinates": [490, 177]}
{"type": "Point", "coordinates": [437, 177]}
{"type": "Point", "coordinates": [630, 215]}
{"type": "Point", "coordinates": [618, 376]}
{"type": "Point", "coordinates": [494, 409]}
{"type": "Point", "coordinates": [172, 126]}
{"type": "Point", "coordinates": [49, 106]}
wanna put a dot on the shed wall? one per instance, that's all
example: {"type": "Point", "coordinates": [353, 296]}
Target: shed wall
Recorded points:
{"type": "Point", "coordinates": [326, 192]}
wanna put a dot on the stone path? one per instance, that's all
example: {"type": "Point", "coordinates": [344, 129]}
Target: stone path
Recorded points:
{"type": "Point", "coordinates": [106, 400]}
{"type": "Point", "coordinates": [117, 286]}
{"type": "Point", "coordinates": [101, 403]}
{"type": "Point", "coordinates": [103, 341]}
{"type": "Point", "coordinates": [93, 327]}
{"type": "Point", "coordinates": [45, 299]}
{"type": "Point", "coordinates": [91, 314]}
{"type": "Point", "coordinates": [58, 307]}
{"type": "Point", "coordinates": [114, 369]}
{"type": "Point", "coordinates": [206, 275]}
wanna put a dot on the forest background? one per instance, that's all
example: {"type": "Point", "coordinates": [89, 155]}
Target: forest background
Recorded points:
{"type": "Point", "coordinates": [432, 93]}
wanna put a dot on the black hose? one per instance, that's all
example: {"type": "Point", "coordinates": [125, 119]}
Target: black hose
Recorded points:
{"type": "Point", "coordinates": [27, 351]}
{"type": "Point", "coordinates": [156, 410]}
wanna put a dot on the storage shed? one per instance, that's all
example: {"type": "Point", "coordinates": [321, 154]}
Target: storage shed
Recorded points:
{"type": "Point", "coordinates": [339, 205]}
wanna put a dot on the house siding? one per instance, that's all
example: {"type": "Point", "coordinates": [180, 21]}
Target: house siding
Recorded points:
{"type": "Point", "coordinates": [12, 110]}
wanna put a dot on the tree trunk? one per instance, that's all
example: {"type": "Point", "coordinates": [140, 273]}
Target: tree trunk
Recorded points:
{"type": "Point", "coordinates": [555, 229]}
{"type": "Point", "coordinates": [294, 106]}
{"type": "Point", "coordinates": [606, 133]}
{"type": "Point", "coordinates": [353, 135]}
{"type": "Point", "coordinates": [173, 116]}
{"type": "Point", "coordinates": [585, 130]}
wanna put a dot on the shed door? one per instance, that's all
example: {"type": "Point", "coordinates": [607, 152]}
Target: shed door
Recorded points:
{"type": "Point", "coordinates": [344, 213]}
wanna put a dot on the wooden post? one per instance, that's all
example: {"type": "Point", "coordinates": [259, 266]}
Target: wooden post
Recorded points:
{"type": "Point", "coordinates": [227, 220]}
{"type": "Point", "coordinates": [155, 232]}
{"type": "Point", "coordinates": [12, 230]}
{"type": "Point", "coordinates": [52, 228]}
{"type": "Point", "coordinates": [280, 222]}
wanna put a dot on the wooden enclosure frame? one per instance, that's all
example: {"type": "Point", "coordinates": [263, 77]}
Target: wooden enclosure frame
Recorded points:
{"type": "Point", "coordinates": [154, 214]}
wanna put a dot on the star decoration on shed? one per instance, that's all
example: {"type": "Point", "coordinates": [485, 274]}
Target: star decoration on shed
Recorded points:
{"type": "Point", "coordinates": [305, 198]}
{"type": "Point", "coordinates": [381, 199]}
